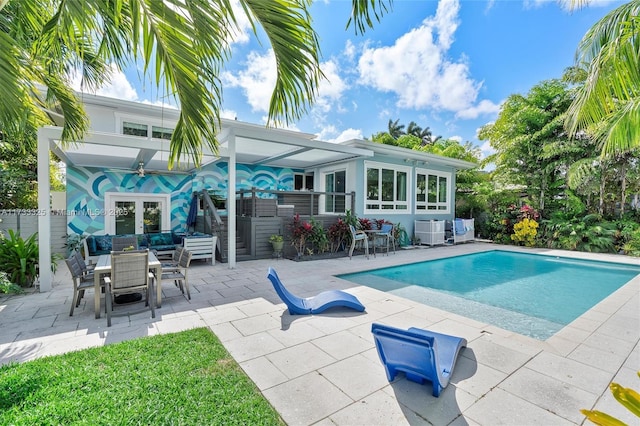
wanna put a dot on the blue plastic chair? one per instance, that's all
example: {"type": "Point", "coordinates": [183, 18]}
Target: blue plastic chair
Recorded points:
{"type": "Point", "coordinates": [420, 354]}
{"type": "Point", "coordinates": [313, 305]}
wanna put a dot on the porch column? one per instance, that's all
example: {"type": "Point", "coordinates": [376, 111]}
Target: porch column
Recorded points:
{"type": "Point", "coordinates": [231, 201]}
{"type": "Point", "coordinates": [44, 213]}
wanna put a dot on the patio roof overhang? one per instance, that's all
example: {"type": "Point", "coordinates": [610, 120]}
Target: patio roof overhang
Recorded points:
{"type": "Point", "coordinates": [254, 145]}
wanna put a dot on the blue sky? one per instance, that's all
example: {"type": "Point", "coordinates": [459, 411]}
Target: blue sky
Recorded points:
{"type": "Point", "coordinates": [446, 65]}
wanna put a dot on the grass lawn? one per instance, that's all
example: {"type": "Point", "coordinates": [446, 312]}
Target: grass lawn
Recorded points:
{"type": "Point", "coordinates": [186, 378]}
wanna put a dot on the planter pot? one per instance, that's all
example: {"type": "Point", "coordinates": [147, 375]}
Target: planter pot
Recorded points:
{"type": "Point", "coordinates": [277, 245]}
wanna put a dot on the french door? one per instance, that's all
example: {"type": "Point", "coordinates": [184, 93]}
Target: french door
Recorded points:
{"type": "Point", "coordinates": [136, 213]}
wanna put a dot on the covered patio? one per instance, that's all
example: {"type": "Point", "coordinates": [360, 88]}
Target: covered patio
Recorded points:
{"type": "Point", "coordinates": [238, 143]}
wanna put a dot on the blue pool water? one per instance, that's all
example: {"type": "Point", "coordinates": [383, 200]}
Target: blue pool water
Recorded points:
{"type": "Point", "coordinates": [530, 294]}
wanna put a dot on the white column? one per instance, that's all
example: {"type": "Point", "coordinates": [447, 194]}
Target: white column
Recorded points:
{"type": "Point", "coordinates": [44, 212]}
{"type": "Point", "coordinates": [231, 202]}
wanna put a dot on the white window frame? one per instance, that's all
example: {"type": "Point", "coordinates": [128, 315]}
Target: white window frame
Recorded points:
{"type": "Point", "coordinates": [398, 206]}
{"type": "Point", "coordinates": [322, 200]}
{"type": "Point", "coordinates": [150, 122]}
{"type": "Point", "coordinates": [436, 210]}
{"type": "Point", "coordinates": [306, 179]}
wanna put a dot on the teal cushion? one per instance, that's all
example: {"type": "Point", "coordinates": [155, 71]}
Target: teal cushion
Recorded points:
{"type": "Point", "coordinates": [91, 245]}
{"type": "Point", "coordinates": [103, 242]}
{"type": "Point", "coordinates": [163, 239]}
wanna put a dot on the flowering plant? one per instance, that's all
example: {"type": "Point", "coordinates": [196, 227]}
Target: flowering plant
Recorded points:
{"type": "Point", "coordinates": [300, 231]}
{"type": "Point", "coordinates": [525, 232]}
{"type": "Point", "coordinates": [528, 212]}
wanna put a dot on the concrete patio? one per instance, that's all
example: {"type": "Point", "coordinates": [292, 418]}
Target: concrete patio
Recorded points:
{"type": "Point", "coordinates": [324, 369]}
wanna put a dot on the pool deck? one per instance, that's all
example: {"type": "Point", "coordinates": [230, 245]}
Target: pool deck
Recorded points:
{"type": "Point", "coordinates": [324, 369]}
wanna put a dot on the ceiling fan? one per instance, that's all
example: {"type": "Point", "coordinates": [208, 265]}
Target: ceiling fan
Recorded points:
{"type": "Point", "coordinates": [140, 169]}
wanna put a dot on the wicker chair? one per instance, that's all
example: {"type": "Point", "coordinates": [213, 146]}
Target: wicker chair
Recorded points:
{"type": "Point", "coordinates": [130, 274]}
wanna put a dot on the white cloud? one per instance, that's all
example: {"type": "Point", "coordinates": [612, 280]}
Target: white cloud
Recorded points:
{"type": "Point", "coordinates": [240, 34]}
{"type": "Point", "coordinates": [328, 132]}
{"type": "Point", "coordinates": [486, 149]}
{"type": "Point", "coordinates": [257, 80]}
{"type": "Point", "coordinates": [330, 89]}
{"type": "Point", "coordinates": [117, 87]}
{"type": "Point", "coordinates": [349, 50]}
{"type": "Point", "coordinates": [484, 107]}
{"type": "Point", "coordinates": [416, 68]}
{"type": "Point", "coordinates": [456, 138]}
{"type": "Point", "coordinates": [228, 114]}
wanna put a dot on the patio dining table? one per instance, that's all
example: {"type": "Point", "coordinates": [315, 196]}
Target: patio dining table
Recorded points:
{"type": "Point", "coordinates": [103, 267]}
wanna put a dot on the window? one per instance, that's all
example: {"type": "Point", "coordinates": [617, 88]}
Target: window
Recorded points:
{"type": "Point", "coordinates": [432, 191]}
{"type": "Point", "coordinates": [140, 127]}
{"type": "Point", "coordinates": [303, 181]}
{"type": "Point", "coordinates": [335, 182]}
{"type": "Point", "coordinates": [386, 188]}
{"type": "Point", "coordinates": [134, 129]}
{"type": "Point", "coordinates": [161, 132]}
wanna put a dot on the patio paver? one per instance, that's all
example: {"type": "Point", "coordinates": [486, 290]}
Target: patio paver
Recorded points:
{"type": "Point", "coordinates": [324, 369]}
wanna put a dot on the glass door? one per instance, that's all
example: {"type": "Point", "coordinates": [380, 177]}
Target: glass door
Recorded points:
{"type": "Point", "coordinates": [125, 217]}
{"type": "Point", "coordinates": [137, 213]}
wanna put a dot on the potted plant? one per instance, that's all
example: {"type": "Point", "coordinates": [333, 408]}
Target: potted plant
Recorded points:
{"type": "Point", "coordinates": [277, 242]}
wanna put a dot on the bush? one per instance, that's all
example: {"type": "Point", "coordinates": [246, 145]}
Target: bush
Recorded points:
{"type": "Point", "coordinates": [19, 257]}
{"type": "Point", "coordinates": [525, 232]}
{"type": "Point", "coordinates": [6, 286]}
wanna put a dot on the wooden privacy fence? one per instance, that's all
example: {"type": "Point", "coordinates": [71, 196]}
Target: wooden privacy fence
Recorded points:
{"type": "Point", "coordinates": [26, 223]}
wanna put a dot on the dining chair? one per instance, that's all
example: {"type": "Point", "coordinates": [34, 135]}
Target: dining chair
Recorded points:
{"type": "Point", "coordinates": [179, 274]}
{"type": "Point", "coordinates": [130, 274]}
{"type": "Point", "coordinates": [86, 269]}
{"type": "Point", "coordinates": [81, 281]}
{"type": "Point", "coordinates": [174, 263]}
{"type": "Point", "coordinates": [386, 233]}
{"type": "Point", "coordinates": [358, 235]}
{"type": "Point", "coordinates": [122, 243]}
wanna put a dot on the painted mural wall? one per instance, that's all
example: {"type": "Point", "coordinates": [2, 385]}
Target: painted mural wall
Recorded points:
{"type": "Point", "coordinates": [86, 188]}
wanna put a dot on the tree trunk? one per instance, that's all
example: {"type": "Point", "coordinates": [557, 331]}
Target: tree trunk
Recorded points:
{"type": "Point", "coordinates": [623, 191]}
{"type": "Point", "coordinates": [601, 203]}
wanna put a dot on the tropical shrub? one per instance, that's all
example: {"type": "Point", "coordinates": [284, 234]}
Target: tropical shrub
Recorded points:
{"type": "Point", "coordinates": [19, 258]}
{"type": "Point", "coordinates": [525, 232]}
{"type": "Point", "coordinates": [338, 235]}
{"type": "Point", "coordinates": [6, 286]}
{"type": "Point", "coordinates": [632, 245]}
{"type": "Point", "coordinates": [318, 237]}
{"type": "Point", "coordinates": [589, 234]}
{"type": "Point", "coordinates": [300, 231]}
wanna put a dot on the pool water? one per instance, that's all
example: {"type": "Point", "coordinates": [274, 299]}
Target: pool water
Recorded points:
{"type": "Point", "coordinates": [534, 295]}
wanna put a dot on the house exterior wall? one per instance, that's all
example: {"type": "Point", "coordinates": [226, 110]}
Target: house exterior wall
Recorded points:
{"type": "Point", "coordinates": [86, 189]}
{"type": "Point", "coordinates": [356, 182]}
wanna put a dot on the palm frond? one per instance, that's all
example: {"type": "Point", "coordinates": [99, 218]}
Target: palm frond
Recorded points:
{"type": "Point", "coordinates": [364, 12]}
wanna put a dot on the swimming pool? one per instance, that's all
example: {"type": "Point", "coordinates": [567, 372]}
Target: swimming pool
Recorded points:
{"type": "Point", "coordinates": [534, 295]}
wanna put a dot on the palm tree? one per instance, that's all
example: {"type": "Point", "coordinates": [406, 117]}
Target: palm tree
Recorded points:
{"type": "Point", "coordinates": [414, 129]}
{"type": "Point", "coordinates": [184, 44]}
{"type": "Point", "coordinates": [608, 105]}
{"type": "Point", "coordinates": [427, 137]}
{"type": "Point", "coordinates": [395, 129]}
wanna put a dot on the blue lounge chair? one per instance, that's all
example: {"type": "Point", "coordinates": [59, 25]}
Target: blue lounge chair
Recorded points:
{"type": "Point", "coordinates": [316, 304]}
{"type": "Point", "coordinates": [420, 354]}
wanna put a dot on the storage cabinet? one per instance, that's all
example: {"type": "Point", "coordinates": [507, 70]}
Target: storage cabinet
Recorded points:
{"type": "Point", "coordinates": [430, 232]}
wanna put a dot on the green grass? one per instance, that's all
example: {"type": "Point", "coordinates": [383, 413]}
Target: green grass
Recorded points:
{"type": "Point", "coordinates": [186, 378]}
